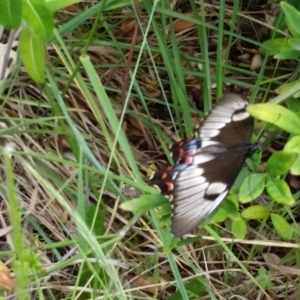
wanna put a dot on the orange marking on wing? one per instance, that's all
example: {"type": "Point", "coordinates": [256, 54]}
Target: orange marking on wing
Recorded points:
{"type": "Point", "coordinates": [169, 186]}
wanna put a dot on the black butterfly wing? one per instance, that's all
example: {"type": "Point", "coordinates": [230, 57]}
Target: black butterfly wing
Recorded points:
{"type": "Point", "coordinates": [199, 187]}
{"type": "Point", "coordinates": [204, 174]}
{"type": "Point", "coordinates": [228, 123]}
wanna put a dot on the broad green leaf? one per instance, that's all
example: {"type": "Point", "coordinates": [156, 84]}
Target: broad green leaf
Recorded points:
{"type": "Point", "coordinates": [279, 191]}
{"type": "Point", "coordinates": [55, 5]}
{"type": "Point", "coordinates": [278, 46]}
{"type": "Point", "coordinates": [252, 187]}
{"type": "Point", "coordinates": [277, 115]}
{"type": "Point", "coordinates": [10, 13]}
{"type": "Point", "coordinates": [219, 216]}
{"type": "Point", "coordinates": [239, 228]}
{"type": "Point", "coordinates": [231, 209]}
{"type": "Point", "coordinates": [280, 162]}
{"type": "Point", "coordinates": [293, 145]}
{"type": "Point", "coordinates": [293, 54]}
{"type": "Point", "coordinates": [144, 203]}
{"type": "Point", "coordinates": [38, 17]}
{"type": "Point", "coordinates": [295, 43]}
{"type": "Point", "coordinates": [255, 212]}
{"type": "Point", "coordinates": [287, 86]}
{"type": "Point", "coordinates": [295, 169]}
{"type": "Point", "coordinates": [283, 228]}
{"type": "Point", "coordinates": [32, 53]}
{"type": "Point", "coordinates": [292, 17]}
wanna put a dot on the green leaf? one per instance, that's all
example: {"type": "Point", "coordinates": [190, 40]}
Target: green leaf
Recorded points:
{"type": "Point", "coordinates": [99, 225]}
{"type": "Point", "coordinates": [283, 228]}
{"type": "Point", "coordinates": [292, 17]}
{"type": "Point", "coordinates": [231, 209]}
{"type": "Point", "coordinates": [279, 47]}
{"type": "Point", "coordinates": [293, 144]}
{"type": "Point", "coordinates": [143, 203]}
{"type": "Point", "coordinates": [279, 191]}
{"type": "Point", "coordinates": [255, 212]}
{"type": "Point", "coordinates": [293, 54]}
{"type": "Point", "coordinates": [55, 5]}
{"type": "Point", "coordinates": [295, 43]}
{"type": "Point", "coordinates": [264, 278]}
{"type": "Point", "coordinates": [295, 169]}
{"type": "Point", "coordinates": [195, 289]}
{"type": "Point", "coordinates": [277, 115]}
{"type": "Point", "coordinates": [10, 13]}
{"type": "Point", "coordinates": [280, 162]}
{"type": "Point", "coordinates": [38, 17]}
{"type": "Point", "coordinates": [220, 215]}
{"type": "Point", "coordinates": [286, 87]}
{"type": "Point", "coordinates": [32, 53]}
{"type": "Point", "coordinates": [239, 228]}
{"type": "Point", "coordinates": [293, 104]}
{"type": "Point", "coordinates": [252, 187]}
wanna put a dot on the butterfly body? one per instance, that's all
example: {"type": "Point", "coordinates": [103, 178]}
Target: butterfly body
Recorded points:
{"type": "Point", "coordinates": [208, 164]}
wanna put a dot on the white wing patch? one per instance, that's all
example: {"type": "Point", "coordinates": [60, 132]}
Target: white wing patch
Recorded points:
{"type": "Point", "coordinates": [240, 116]}
{"type": "Point", "coordinates": [209, 133]}
{"type": "Point", "coordinates": [216, 188]}
{"type": "Point", "coordinates": [202, 158]}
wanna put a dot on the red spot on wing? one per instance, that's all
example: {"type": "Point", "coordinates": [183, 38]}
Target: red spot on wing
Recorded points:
{"type": "Point", "coordinates": [164, 175]}
{"type": "Point", "coordinates": [169, 186]}
{"type": "Point", "coordinates": [188, 160]}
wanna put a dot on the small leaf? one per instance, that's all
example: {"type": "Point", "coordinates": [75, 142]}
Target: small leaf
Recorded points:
{"type": "Point", "coordinates": [39, 18]}
{"type": "Point", "coordinates": [231, 209]}
{"type": "Point", "coordinates": [144, 203]}
{"type": "Point", "coordinates": [264, 278]}
{"type": "Point", "coordinates": [98, 222]}
{"type": "Point", "coordinates": [292, 103]}
{"type": "Point", "coordinates": [280, 162]}
{"type": "Point", "coordinates": [279, 46]}
{"type": "Point", "coordinates": [239, 228]}
{"type": "Point", "coordinates": [295, 169]}
{"type": "Point", "coordinates": [220, 216]}
{"type": "Point", "coordinates": [32, 53]}
{"type": "Point", "coordinates": [292, 17]}
{"type": "Point", "coordinates": [194, 287]}
{"type": "Point", "coordinates": [283, 228]}
{"type": "Point", "coordinates": [277, 115]}
{"type": "Point", "coordinates": [10, 13]}
{"type": "Point", "coordinates": [255, 212]}
{"type": "Point", "coordinates": [55, 5]}
{"type": "Point", "coordinates": [279, 191]}
{"type": "Point", "coordinates": [293, 54]}
{"type": "Point", "coordinates": [295, 43]}
{"type": "Point", "coordinates": [286, 87]}
{"type": "Point", "coordinates": [293, 145]}
{"type": "Point", "coordinates": [252, 187]}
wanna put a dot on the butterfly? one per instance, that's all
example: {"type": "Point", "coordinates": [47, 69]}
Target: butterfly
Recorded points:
{"type": "Point", "coordinates": [207, 164]}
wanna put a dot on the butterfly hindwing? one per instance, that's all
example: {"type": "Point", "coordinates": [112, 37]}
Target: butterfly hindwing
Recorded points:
{"type": "Point", "coordinates": [208, 164]}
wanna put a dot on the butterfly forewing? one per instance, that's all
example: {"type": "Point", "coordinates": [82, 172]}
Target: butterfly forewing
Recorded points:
{"type": "Point", "coordinates": [207, 164]}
